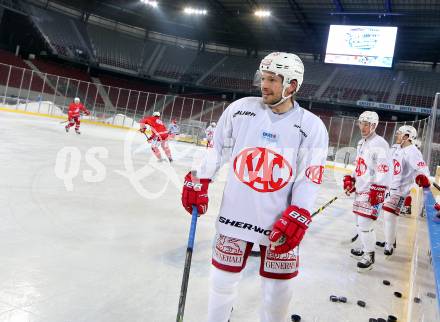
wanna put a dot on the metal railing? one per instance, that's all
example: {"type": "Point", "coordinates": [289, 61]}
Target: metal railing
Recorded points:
{"type": "Point", "coordinates": [20, 88]}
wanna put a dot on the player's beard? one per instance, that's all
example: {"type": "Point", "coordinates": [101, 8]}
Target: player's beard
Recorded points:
{"type": "Point", "coordinates": [271, 99]}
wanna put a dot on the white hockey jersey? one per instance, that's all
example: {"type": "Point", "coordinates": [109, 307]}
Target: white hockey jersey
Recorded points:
{"type": "Point", "coordinates": [276, 160]}
{"type": "Point", "coordinates": [407, 164]}
{"type": "Point", "coordinates": [372, 163]}
{"type": "Point", "coordinates": [210, 130]}
{"type": "Point", "coordinates": [174, 129]}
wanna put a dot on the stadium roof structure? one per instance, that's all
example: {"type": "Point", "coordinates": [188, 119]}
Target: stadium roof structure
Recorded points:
{"type": "Point", "coordinates": [297, 25]}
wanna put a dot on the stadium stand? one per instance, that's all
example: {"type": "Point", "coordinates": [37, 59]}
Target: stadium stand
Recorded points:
{"type": "Point", "coordinates": [80, 83]}
{"type": "Point", "coordinates": [200, 65]}
{"type": "Point", "coordinates": [15, 73]}
{"type": "Point", "coordinates": [174, 62]}
{"type": "Point", "coordinates": [417, 88]}
{"type": "Point", "coordinates": [61, 32]}
{"type": "Point", "coordinates": [357, 83]}
{"type": "Point", "coordinates": [116, 49]}
{"type": "Point", "coordinates": [236, 73]}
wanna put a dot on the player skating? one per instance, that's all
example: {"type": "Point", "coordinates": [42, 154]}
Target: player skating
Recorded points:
{"type": "Point", "coordinates": [278, 156]}
{"type": "Point", "coordinates": [159, 135]}
{"type": "Point", "coordinates": [408, 167]}
{"type": "Point", "coordinates": [369, 181]}
{"type": "Point", "coordinates": [73, 114]}
{"type": "Point", "coordinates": [209, 132]}
{"type": "Point", "coordinates": [173, 129]}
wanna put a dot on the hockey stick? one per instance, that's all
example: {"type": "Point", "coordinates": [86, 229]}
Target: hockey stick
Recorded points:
{"type": "Point", "coordinates": [64, 121]}
{"type": "Point", "coordinates": [328, 203]}
{"type": "Point", "coordinates": [436, 186]}
{"type": "Point", "coordinates": [350, 241]}
{"type": "Point", "coordinates": [320, 209]}
{"type": "Point", "coordinates": [187, 267]}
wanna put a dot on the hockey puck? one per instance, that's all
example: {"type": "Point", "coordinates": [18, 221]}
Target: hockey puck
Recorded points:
{"type": "Point", "coordinates": [342, 299]}
{"type": "Point", "coordinates": [431, 295]}
{"type": "Point", "coordinates": [333, 298]}
{"type": "Point", "coordinates": [391, 318]}
{"type": "Point", "coordinates": [397, 294]}
{"type": "Point", "coordinates": [417, 300]}
{"type": "Point", "coordinates": [380, 244]}
{"type": "Point", "coordinates": [361, 303]}
{"type": "Point", "coordinates": [372, 320]}
{"type": "Point", "coordinates": [385, 282]}
{"type": "Point", "coordinates": [295, 318]}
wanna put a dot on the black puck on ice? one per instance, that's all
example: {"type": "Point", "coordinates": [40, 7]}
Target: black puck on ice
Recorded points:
{"type": "Point", "coordinates": [397, 294]}
{"type": "Point", "coordinates": [386, 282]}
{"type": "Point", "coordinates": [391, 318]}
{"type": "Point", "coordinates": [342, 299]}
{"type": "Point", "coordinates": [380, 244]}
{"type": "Point", "coordinates": [372, 320]}
{"type": "Point", "coordinates": [417, 300]}
{"type": "Point", "coordinates": [431, 295]}
{"type": "Point", "coordinates": [295, 318]}
{"type": "Point", "coordinates": [333, 298]}
{"type": "Point", "coordinates": [361, 303]}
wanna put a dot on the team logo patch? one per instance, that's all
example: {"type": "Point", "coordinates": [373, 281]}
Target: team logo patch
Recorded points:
{"type": "Point", "coordinates": [266, 62]}
{"type": "Point", "coordinates": [315, 173]}
{"type": "Point", "coordinates": [229, 251]}
{"type": "Point", "coordinates": [272, 137]}
{"type": "Point", "coordinates": [262, 169]}
{"type": "Point", "coordinates": [397, 167]}
{"type": "Point", "coordinates": [383, 168]}
{"type": "Point", "coordinates": [281, 263]}
{"type": "Point", "coordinates": [229, 246]}
{"type": "Point", "coordinates": [361, 167]}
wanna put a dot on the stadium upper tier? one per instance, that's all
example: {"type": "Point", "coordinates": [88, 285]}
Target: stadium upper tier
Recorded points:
{"type": "Point", "coordinates": [141, 56]}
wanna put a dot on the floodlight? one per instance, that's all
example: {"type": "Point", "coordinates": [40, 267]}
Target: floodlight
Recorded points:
{"type": "Point", "coordinates": [262, 13]}
{"type": "Point", "coordinates": [152, 3]}
{"type": "Point", "coordinates": [195, 11]}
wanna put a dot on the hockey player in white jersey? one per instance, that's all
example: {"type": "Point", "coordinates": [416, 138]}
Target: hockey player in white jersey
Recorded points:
{"type": "Point", "coordinates": [278, 155]}
{"type": "Point", "coordinates": [210, 130]}
{"type": "Point", "coordinates": [408, 167]}
{"type": "Point", "coordinates": [369, 181]}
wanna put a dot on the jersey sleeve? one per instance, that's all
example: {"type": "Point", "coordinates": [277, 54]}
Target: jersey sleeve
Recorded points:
{"type": "Point", "coordinates": [382, 167]}
{"type": "Point", "coordinates": [310, 167]}
{"type": "Point", "coordinates": [145, 121]}
{"type": "Point", "coordinates": [416, 162]}
{"type": "Point", "coordinates": [84, 109]}
{"type": "Point", "coordinates": [212, 160]}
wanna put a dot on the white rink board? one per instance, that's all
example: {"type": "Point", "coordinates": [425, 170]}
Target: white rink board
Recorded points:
{"type": "Point", "coordinates": [105, 252]}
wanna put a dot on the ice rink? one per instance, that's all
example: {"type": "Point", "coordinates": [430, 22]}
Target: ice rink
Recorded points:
{"type": "Point", "coordinates": [91, 229]}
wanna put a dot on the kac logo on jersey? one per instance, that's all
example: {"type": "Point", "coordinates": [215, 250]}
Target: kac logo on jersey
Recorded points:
{"type": "Point", "coordinates": [383, 168]}
{"type": "Point", "coordinates": [397, 167]}
{"type": "Point", "coordinates": [262, 169]}
{"type": "Point", "coordinates": [315, 173]}
{"type": "Point", "coordinates": [361, 167]}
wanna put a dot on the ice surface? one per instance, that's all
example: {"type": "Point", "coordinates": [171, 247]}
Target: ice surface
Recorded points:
{"type": "Point", "coordinates": [109, 245]}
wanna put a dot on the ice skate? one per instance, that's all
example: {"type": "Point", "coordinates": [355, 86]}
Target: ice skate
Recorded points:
{"type": "Point", "coordinates": [366, 263]}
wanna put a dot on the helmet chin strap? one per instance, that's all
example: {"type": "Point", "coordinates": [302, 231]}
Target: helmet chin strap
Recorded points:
{"type": "Point", "coordinates": [283, 98]}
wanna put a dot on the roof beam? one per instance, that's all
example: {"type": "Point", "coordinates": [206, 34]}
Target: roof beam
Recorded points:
{"type": "Point", "coordinates": [388, 5]}
{"type": "Point", "coordinates": [338, 5]}
{"type": "Point", "coordinates": [235, 22]}
{"type": "Point", "coordinates": [305, 25]}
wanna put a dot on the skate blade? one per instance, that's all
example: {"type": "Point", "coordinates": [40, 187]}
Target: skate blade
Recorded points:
{"type": "Point", "coordinates": [364, 270]}
{"type": "Point", "coordinates": [356, 257]}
